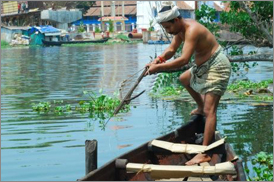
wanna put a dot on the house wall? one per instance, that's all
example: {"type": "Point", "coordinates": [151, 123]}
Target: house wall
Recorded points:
{"type": "Point", "coordinates": [7, 34]}
{"type": "Point", "coordinates": [147, 11]}
{"type": "Point", "coordinates": [93, 20]}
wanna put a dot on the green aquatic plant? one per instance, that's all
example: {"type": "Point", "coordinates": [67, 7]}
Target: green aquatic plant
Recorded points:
{"type": "Point", "coordinates": [249, 85]}
{"type": "Point", "coordinates": [262, 166]}
{"type": "Point", "coordinates": [168, 91]}
{"type": "Point", "coordinates": [100, 106]}
{"type": "Point", "coordinates": [62, 109]}
{"type": "Point", "coordinates": [41, 107]}
{"type": "Point", "coordinates": [56, 107]}
{"type": "Point", "coordinates": [100, 102]}
{"type": "Point", "coordinates": [253, 90]}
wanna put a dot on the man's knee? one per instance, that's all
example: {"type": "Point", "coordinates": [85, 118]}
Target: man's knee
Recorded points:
{"type": "Point", "coordinates": [184, 79]}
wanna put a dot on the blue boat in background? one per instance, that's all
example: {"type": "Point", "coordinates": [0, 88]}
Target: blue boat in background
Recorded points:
{"type": "Point", "coordinates": [158, 42]}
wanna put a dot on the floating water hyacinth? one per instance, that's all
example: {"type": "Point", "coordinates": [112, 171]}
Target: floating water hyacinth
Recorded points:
{"type": "Point", "coordinates": [96, 105]}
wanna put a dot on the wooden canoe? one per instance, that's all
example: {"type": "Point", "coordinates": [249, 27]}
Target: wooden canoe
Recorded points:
{"type": "Point", "coordinates": [59, 43]}
{"type": "Point", "coordinates": [147, 154]}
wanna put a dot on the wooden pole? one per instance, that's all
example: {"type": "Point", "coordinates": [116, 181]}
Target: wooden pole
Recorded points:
{"type": "Point", "coordinates": [91, 155]}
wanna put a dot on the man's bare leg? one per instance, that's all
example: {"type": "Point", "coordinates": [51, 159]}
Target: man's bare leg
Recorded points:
{"type": "Point", "coordinates": [185, 80]}
{"type": "Point", "coordinates": [210, 110]}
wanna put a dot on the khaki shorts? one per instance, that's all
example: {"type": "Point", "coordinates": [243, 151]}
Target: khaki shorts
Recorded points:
{"type": "Point", "coordinates": [213, 75]}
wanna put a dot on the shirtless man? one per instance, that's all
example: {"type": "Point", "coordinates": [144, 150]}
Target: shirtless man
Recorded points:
{"type": "Point", "coordinates": [207, 80]}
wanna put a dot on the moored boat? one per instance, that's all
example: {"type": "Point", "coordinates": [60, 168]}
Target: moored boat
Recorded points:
{"type": "Point", "coordinates": [189, 134]}
{"type": "Point", "coordinates": [158, 42]}
{"type": "Point", "coordinates": [59, 43]}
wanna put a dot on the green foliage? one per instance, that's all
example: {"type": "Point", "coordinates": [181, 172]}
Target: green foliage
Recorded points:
{"type": "Point", "coordinates": [262, 166]}
{"type": "Point", "coordinates": [111, 26]}
{"type": "Point", "coordinates": [166, 80]}
{"type": "Point", "coordinates": [237, 66]}
{"type": "Point", "coordinates": [122, 37]}
{"type": "Point", "coordinates": [206, 15]}
{"type": "Point", "coordinates": [97, 29]}
{"type": "Point", "coordinates": [81, 28]}
{"type": "Point", "coordinates": [4, 44]}
{"type": "Point", "coordinates": [241, 22]}
{"type": "Point", "coordinates": [151, 28]}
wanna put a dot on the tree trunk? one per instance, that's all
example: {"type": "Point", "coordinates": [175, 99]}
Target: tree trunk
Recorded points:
{"type": "Point", "coordinates": [254, 57]}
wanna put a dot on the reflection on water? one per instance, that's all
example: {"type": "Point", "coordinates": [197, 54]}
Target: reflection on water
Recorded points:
{"type": "Point", "coordinates": [51, 147]}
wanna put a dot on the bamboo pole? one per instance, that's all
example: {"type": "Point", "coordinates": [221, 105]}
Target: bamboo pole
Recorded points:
{"type": "Point", "coordinates": [91, 155]}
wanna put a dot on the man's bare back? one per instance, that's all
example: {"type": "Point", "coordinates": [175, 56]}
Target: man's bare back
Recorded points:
{"type": "Point", "coordinates": [206, 43]}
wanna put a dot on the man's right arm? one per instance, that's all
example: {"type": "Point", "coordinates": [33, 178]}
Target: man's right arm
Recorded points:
{"type": "Point", "coordinates": [170, 51]}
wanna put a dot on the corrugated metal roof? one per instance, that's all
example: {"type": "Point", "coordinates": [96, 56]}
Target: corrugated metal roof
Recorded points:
{"type": "Point", "coordinates": [95, 11]}
{"type": "Point", "coordinates": [129, 7]}
{"type": "Point", "coordinates": [108, 3]}
{"type": "Point", "coordinates": [129, 10]}
{"type": "Point", "coordinates": [183, 5]}
{"type": "Point", "coordinates": [113, 18]}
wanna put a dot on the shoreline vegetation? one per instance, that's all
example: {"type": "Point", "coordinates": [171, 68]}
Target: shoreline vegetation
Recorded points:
{"type": "Point", "coordinates": [238, 92]}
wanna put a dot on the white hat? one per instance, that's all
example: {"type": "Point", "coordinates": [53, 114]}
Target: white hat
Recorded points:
{"type": "Point", "coordinates": [169, 14]}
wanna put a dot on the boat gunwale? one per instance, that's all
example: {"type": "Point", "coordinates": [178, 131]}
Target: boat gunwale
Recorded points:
{"type": "Point", "coordinates": [176, 136]}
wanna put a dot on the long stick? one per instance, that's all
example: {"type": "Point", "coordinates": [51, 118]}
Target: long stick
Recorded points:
{"type": "Point", "coordinates": [128, 95]}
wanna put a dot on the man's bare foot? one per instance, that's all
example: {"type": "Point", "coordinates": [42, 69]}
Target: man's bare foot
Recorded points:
{"type": "Point", "coordinates": [199, 158]}
{"type": "Point", "coordinates": [197, 111]}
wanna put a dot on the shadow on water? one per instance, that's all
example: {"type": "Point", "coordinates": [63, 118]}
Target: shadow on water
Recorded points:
{"type": "Point", "coordinates": [48, 146]}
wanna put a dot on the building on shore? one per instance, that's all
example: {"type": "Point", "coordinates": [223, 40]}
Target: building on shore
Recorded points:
{"type": "Point", "coordinates": [8, 32]}
{"type": "Point", "coordinates": [122, 13]}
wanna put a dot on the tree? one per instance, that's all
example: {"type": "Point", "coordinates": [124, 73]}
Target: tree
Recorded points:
{"type": "Point", "coordinates": [240, 21]}
{"type": "Point", "coordinates": [206, 15]}
{"type": "Point", "coordinates": [111, 26]}
{"type": "Point", "coordinates": [252, 19]}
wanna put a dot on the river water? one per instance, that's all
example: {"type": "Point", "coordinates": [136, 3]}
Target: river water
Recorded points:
{"type": "Point", "coordinates": [37, 147]}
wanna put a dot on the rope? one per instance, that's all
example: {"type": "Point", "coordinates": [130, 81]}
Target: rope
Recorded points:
{"type": "Point", "coordinates": [143, 170]}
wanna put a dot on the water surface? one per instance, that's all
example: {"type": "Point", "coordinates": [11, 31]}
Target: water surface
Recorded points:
{"type": "Point", "coordinates": [51, 147]}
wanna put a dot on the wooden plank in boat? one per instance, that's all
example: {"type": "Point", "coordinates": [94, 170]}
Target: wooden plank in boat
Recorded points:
{"type": "Point", "coordinates": [194, 179]}
{"type": "Point", "coordinates": [171, 179]}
